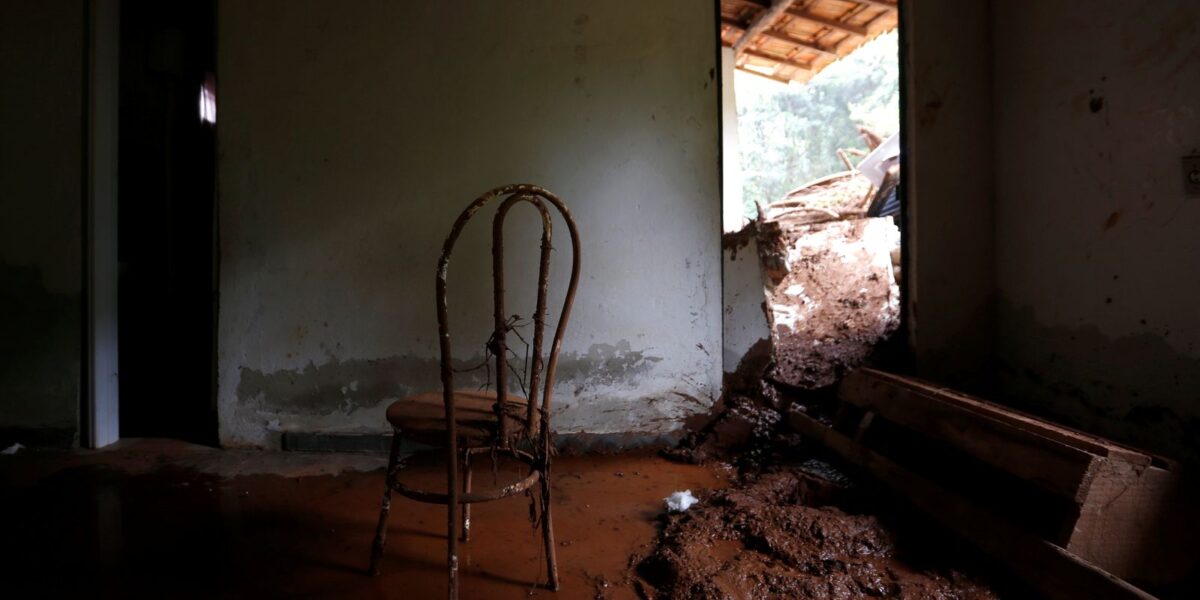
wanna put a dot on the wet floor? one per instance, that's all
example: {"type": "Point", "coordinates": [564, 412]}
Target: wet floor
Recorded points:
{"type": "Point", "coordinates": [159, 519]}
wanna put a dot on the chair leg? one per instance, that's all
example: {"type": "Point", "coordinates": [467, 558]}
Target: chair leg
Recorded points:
{"type": "Point", "coordinates": [388, 480]}
{"type": "Point", "coordinates": [466, 486]}
{"type": "Point", "coordinates": [548, 532]}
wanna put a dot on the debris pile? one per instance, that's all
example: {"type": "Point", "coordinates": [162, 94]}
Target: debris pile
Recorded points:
{"type": "Point", "coordinates": [831, 295]}
{"type": "Point", "coordinates": [787, 535]}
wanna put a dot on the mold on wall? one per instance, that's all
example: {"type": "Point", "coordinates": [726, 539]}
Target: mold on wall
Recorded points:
{"type": "Point", "coordinates": [1096, 240]}
{"type": "Point", "coordinates": [351, 136]}
{"type": "Point", "coordinates": [40, 220]}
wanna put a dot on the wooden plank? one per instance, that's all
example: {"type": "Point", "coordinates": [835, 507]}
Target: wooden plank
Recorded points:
{"type": "Point", "coordinates": [779, 59]}
{"type": "Point", "coordinates": [797, 42]}
{"type": "Point", "coordinates": [784, 37]}
{"type": "Point", "coordinates": [765, 75]}
{"type": "Point", "coordinates": [1051, 465]}
{"type": "Point", "coordinates": [830, 23]}
{"type": "Point", "coordinates": [1082, 440]}
{"type": "Point", "coordinates": [765, 20]}
{"type": "Point", "coordinates": [1135, 521]}
{"type": "Point", "coordinates": [1056, 572]}
{"type": "Point", "coordinates": [877, 4]}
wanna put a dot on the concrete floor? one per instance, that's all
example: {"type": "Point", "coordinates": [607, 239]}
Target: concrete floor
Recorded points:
{"type": "Point", "coordinates": [167, 519]}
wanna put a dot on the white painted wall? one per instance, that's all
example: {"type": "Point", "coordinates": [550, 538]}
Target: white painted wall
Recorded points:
{"type": "Point", "coordinates": [745, 322]}
{"type": "Point", "coordinates": [950, 269]}
{"type": "Point", "coordinates": [351, 134]}
{"type": "Point", "coordinates": [1097, 246]}
{"type": "Point", "coordinates": [733, 214]}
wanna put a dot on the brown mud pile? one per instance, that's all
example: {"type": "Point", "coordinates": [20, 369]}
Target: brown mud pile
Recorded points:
{"type": "Point", "coordinates": [783, 536]}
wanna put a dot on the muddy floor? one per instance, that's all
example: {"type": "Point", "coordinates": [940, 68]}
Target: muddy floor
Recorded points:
{"type": "Point", "coordinates": [796, 532]}
{"type": "Point", "coordinates": [167, 520]}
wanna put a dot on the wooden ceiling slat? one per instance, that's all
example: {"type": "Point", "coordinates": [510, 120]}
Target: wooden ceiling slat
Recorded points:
{"type": "Point", "coordinates": [800, 37]}
{"type": "Point", "coordinates": [761, 23]}
{"type": "Point", "coordinates": [876, 3]}
{"type": "Point", "coordinates": [795, 41]}
{"type": "Point", "coordinates": [783, 36]}
{"type": "Point", "coordinates": [779, 59]}
{"type": "Point", "coordinates": [832, 24]}
{"type": "Point", "coordinates": [770, 76]}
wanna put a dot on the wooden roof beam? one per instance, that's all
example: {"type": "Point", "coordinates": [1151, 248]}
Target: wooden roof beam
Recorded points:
{"type": "Point", "coordinates": [795, 41]}
{"type": "Point", "coordinates": [838, 25]}
{"type": "Point", "coordinates": [761, 23]}
{"type": "Point", "coordinates": [770, 76]}
{"type": "Point", "coordinates": [779, 59]}
{"type": "Point", "coordinates": [783, 37]}
{"type": "Point", "coordinates": [877, 3]}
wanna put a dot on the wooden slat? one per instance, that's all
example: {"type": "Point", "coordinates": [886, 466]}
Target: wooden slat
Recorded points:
{"type": "Point", "coordinates": [877, 4]}
{"type": "Point", "coordinates": [779, 59]}
{"type": "Point", "coordinates": [766, 75]}
{"type": "Point", "coordinates": [832, 24]}
{"type": "Point", "coordinates": [765, 20]}
{"type": "Point", "coordinates": [1057, 573]}
{"type": "Point", "coordinates": [1059, 468]}
{"type": "Point", "coordinates": [799, 43]}
{"type": "Point", "coordinates": [784, 37]}
{"type": "Point", "coordinates": [1082, 440]}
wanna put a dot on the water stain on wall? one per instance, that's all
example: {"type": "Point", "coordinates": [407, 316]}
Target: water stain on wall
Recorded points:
{"type": "Point", "coordinates": [1084, 378]}
{"type": "Point", "coordinates": [344, 386]}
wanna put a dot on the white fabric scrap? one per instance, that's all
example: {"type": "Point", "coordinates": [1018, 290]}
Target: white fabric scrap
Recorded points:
{"type": "Point", "coordinates": [680, 501]}
{"type": "Point", "coordinates": [11, 450]}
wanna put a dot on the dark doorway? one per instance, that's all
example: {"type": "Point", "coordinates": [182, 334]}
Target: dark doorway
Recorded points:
{"type": "Point", "coordinates": [166, 219]}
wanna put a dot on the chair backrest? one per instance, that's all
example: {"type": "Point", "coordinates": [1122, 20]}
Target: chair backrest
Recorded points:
{"type": "Point", "coordinates": [537, 414]}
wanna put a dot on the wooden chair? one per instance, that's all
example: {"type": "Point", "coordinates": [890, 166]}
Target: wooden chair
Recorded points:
{"type": "Point", "coordinates": [472, 422]}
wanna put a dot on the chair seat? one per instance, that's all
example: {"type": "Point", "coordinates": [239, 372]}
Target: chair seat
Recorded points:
{"type": "Point", "coordinates": [422, 417]}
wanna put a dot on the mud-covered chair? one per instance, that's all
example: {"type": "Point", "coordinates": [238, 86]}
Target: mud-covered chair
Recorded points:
{"type": "Point", "coordinates": [471, 422]}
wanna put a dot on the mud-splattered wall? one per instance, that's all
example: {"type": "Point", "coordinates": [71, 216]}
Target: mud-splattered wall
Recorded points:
{"type": "Point", "coordinates": [351, 134]}
{"type": "Point", "coordinates": [41, 62]}
{"type": "Point", "coordinates": [1097, 247]}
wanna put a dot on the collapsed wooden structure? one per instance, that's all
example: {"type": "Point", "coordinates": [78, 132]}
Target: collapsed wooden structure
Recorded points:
{"type": "Point", "coordinates": [792, 40]}
{"type": "Point", "coordinates": [1073, 514]}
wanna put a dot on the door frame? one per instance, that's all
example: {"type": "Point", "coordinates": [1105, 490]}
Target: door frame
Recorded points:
{"type": "Point", "coordinates": [100, 406]}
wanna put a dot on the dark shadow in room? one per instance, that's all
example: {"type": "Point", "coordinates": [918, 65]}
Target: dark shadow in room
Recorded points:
{"type": "Point", "coordinates": [167, 220]}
